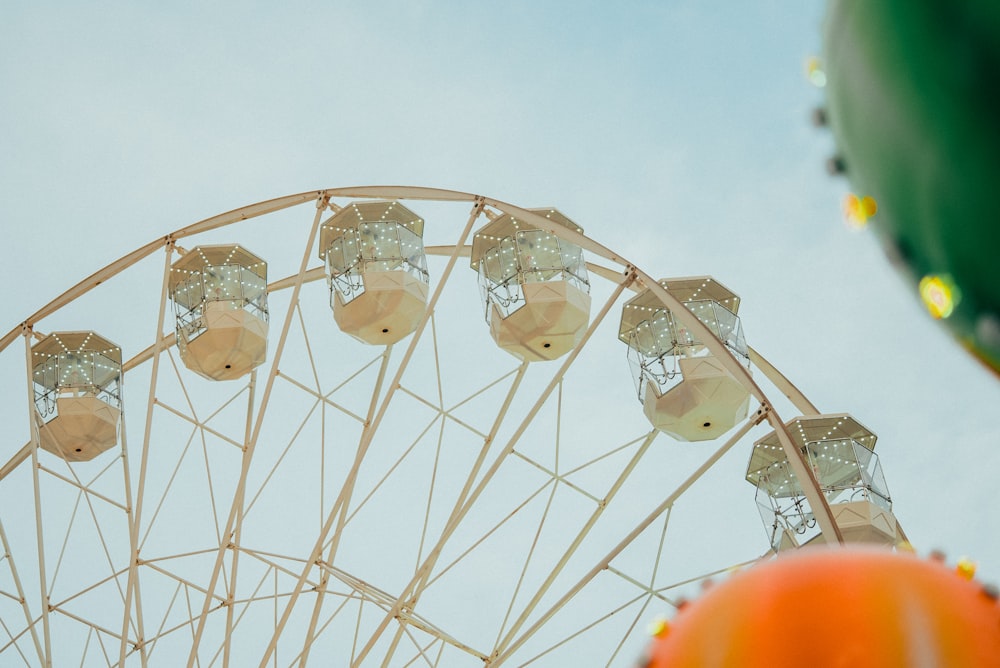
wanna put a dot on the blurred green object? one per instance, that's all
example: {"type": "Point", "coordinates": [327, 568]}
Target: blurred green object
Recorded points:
{"type": "Point", "coordinates": [913, 98]}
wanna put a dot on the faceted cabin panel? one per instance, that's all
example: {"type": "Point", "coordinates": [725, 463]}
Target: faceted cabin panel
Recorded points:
{"type": "Point", "coordinates": [77, 378]}
{"type": "Point", "coordinates": [84, 428]}
{"type": "Point", "coordinates": [220, 298]}
{"type": "Point", "coordinates": [229, 345]}
{"type": "Point", "coordinates": [376, 269]}
{"type": "Point", "coordinates": [534, 286]}
{"type": "Point", "coordinates": [861, 522]}
{"type": "Point", "coordinates": [705, 405]}
{"type": "Point", "coordinates": [389, 309]}
{"type": "Point", "coordinates": [865, 522]}
{"type": "Point", "coordinates": [549, 325]}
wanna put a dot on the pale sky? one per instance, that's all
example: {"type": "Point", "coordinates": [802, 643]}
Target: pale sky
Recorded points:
{"type": "Point", "coordinates": [676, 133]}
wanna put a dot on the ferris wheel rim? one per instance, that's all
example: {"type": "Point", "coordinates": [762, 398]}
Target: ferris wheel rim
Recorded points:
{"type": "Point", "coordinates": [273, 205]}
{"type": "Point", "coordinates": [321, 197]}
{"type": "Point", "coordinates": [732, 365]}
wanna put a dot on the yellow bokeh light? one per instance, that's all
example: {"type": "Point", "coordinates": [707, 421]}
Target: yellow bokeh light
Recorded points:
{"type": "Point", "coordinates": [966, 568]}
{"type": "Point", "coordinates": [659, 627]}
{"type": "Point", "coordinates": [857, 210]}
{"type": "Point", "coordinates": [869, 206]}
{"type": "Point", "coordinates": [815, 73]}
{"type": "Point", "coordinates": [939, 295]}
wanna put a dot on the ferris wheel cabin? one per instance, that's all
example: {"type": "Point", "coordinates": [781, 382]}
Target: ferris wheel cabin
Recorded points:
{"type": "Point", "coordinates": [534, 286]}
{"type": "Point", "coordinates": [376, 269]}
{"type": "Point", "coordinates": [840, 453]}
{"type": "Point", "coordinates": [685, 391]}
{"type": "Point", "coordinates": [77, 389]}
{"type": "Point", "coordinates": [220, 300]}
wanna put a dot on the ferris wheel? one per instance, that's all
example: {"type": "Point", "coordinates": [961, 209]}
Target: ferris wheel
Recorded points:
{"type": "Point", "coordinates": [396, 426]}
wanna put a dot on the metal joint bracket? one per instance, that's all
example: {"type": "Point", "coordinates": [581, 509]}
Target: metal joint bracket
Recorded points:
{"type": "Point", "coordinates": [761, 414]}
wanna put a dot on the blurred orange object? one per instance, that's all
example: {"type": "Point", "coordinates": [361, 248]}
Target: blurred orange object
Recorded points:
{"type": "Point", "coordinates": [820, 608]}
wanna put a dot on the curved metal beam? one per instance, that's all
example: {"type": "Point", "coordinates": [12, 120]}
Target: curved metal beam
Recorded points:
{"type": "Point", "coordinates": [715, 346]}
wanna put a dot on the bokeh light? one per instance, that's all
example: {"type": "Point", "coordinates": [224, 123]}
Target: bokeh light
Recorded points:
{"type": "Point", "coordinates": [966, 568]}
{"type": "Point", "coordinates": [857, 210]}
{"type": "Point", "coordinates": [939, 294]}
{"type": "Point", "coordinates": [815, 73]}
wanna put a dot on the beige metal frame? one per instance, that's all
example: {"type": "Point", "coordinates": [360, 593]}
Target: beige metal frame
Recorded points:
{"type": "Point", "coordinates": [398, 634]}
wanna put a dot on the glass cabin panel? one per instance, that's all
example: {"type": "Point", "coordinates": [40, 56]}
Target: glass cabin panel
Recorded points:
{"type": "Point", "coordinates": [685, 342]}
{"type": "Point", "coordinates": [540, 255]}
{"type": "Point", "coordinates": [574, 265]}
{"type": "Point", "coordinates": [341, 254]}
{"type": "Point", "coordinates": [105, 370]}
{"type": "Point", "coordinates": [833, 463]}
{"type": "Point", "coordinates": [872, 477]}
{"type": "Point", "coordinates": [411, 249]}
{"type": "Point", "coordinates": [380, 246]}
{"type": "Point", "coordinates": [785, 505]}
{"type": "Point", "coordinates": [636, 365]}
{"type": "Point", "coordinates": [651, 353]}
{"type": "Point", "coordinates": [665, 337]}
{"type": "Point", "coordinates": [47, 373]}
{"type": "Point", "coordinates": [654, 337]}
{"type": "Point", "coordinates": [721, 321]}
{"type": "Point", "coordinates": [784, 515]}
{"type": "Point", "coordinates": [342, 262]}
{"type": "Point", "coordinates": [76, 370]}
{"type": "Point", "coordinates": [706, 314]}
{"type": "Point", "coordinates": [644, 340]}
{"type": "Point", "coordinates": [46, 380]}
{"type": "Point", "coordinates": [726, 325]}
{"type": "Point", "coordinates": [107, 374]}
{"type": "Point", "coordinates": [646, 364]}
{"type": "Point", "coordinates": [490, 266]}
{"type": "Point", "coordinates": [498, 275]}
{"type": "Point", "coordinates": [189, 293]}
{"type": "Point", "coordinates": [508, 262]}
{"type": "Point", "coordinates": [489, 271]}
{"type": "Point", "coordinates": [773, 521]}
{"type": "Point", "coordinates": [222, 283]}
{"type": "Point", "coordinates": [779, 480]}
{"type": "Point", "coordinates": [254, 292]}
